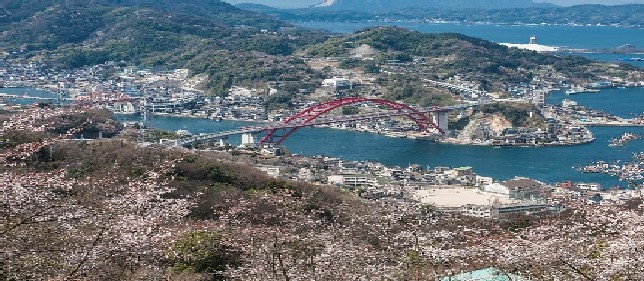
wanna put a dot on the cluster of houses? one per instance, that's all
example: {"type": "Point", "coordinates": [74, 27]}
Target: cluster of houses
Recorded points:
{"type": "Point", "coordinates": [453, 190]}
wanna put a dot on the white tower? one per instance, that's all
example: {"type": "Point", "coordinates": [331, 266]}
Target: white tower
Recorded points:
{"type": "Point", "coordinates": [248, 140]}
{"type": "Point", "coordinates": [533, 39]}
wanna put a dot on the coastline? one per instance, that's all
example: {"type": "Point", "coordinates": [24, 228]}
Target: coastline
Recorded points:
{"type": "Point", "coordinates": [465, 22]}
{"type": "Point", "coordinates": [407, 135]}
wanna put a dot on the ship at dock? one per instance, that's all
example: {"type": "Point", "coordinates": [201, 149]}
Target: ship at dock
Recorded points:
{"type": "Point", "coordinates": [580, 90]}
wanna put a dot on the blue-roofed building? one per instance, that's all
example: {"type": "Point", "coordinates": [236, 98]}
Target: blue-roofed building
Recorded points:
{"type": "Point", "coordinates": [486, 274]}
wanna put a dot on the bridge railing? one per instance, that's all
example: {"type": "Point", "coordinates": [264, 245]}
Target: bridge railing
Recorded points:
{"type": "Point", "coordinates": [320, 121]}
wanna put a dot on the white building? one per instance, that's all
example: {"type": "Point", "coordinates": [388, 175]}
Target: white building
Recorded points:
{"type": "Point", "coordinates": [337, 82]}
{"type": "Point", "coordinates": [352, 180]}
{"type": "Point", "coordinates": [182, 73]}
{"type": "Point", "coordinates": [488, 211]}
{"type": "Point", "coordinates": [517, 188]}
{"type": "Point", "coordinates": [532, 46]}
{"type": "Point", "coordinates": [305, 174]}
{"type": "Point", "coordinates": [483, 181]}
{"type": "Point", "coordinates": [480, 211]}
{"type": "Point", "coordinates": [247, 140]}
{"type": "Point", "coordinates": [272, 171]}
{"type": "Point", "coordinates": [539, 98]}
{"type": "Point", "coordinates": [590, 186]}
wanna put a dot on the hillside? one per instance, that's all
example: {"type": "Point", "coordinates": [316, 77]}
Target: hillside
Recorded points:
{"type": "Point", "coordinates": [114, 210]}
{"type": "Point", "coordinates": [244, 48]}
{"type": "Point", "coordinates": [442, 56]}
{"type": "Point", "coordinates": [206, 36]}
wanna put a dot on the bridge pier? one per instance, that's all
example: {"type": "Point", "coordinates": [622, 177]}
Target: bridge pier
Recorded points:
{"type": "Point", "coordinates": [223, 142]}
{"type": "Point", "coordinates": [248, 139]}
{"type": "Point", "coordinates": [441, 119]}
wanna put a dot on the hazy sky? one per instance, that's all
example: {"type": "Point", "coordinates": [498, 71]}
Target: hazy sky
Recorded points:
{"type": "Point", "coordinates": [306, 3]}
{"type": "Point", "coordinates": [279, 3]}
{"type": "Point", "coordinates": [604, 2]}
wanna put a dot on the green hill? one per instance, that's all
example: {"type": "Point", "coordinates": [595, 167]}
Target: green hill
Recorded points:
{"type": "Point", "coordinates": [206, 36]}
{"type": "Point", "coordinates": [445, 55]}
{"type": "Point", "coordinates": [239, 47]}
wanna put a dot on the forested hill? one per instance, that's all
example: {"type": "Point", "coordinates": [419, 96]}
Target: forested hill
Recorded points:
{"type": "Point", "coordinates": [14, 11]}
{"type": "Point", "coordinates": [231, 45]}
{"type": "Point", "coordinates": [448, 54]}
{"type": "Point", "coordinates": [244, 48]}
{"type": "Point", "coordinates": [145, 26]}
{"type": "Point", "coordinates": [457, 49]}
{"type": "Point", "coordinates": [149, 30]}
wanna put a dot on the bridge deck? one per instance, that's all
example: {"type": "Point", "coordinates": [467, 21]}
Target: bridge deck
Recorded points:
{"type": "Point", "coordinates": [14, 96]}
{"type": "Point", "coordinates": [320, 121]}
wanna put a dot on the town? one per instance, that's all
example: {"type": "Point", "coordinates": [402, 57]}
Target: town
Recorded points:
{"type": "Point", "coordinates": [202, 140]}
{"type": "Point", "coordinates": [452, 205]}
{"type": "Point", "coordinates": [128, 90]}
{"type": "Point", "coordinates": [445, 189]}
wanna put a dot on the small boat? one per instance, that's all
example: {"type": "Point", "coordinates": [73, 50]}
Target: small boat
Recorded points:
{"type": "Point", "coordinates": [183, 133]}
{"type": "Point", "coordinates": [580, 90]}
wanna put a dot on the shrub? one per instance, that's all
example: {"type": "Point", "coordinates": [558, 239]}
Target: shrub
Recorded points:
{"type": "Point", "coordinates": [202, 252]}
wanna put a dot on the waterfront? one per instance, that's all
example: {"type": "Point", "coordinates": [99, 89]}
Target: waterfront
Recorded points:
{"type": "Point", "coordinates": [550, 164]}
{"type": "Point", "coordinates": [93, 189]}
{"type": "Point", "coordinates": [32, 92]}
{"type": "Point", "coordinates": [625, 103]}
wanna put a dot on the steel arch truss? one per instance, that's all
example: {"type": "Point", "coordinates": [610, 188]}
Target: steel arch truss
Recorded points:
{"type": "Point", "coordinates": [304, 117]}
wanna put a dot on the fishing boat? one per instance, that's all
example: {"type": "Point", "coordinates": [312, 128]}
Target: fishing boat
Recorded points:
{"type": "Point", "coordinates": [580, 90]}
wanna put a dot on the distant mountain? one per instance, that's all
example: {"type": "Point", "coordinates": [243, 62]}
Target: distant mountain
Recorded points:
{"type": "Point", "coordinates": [256, 7]}
{"type": "Point", "coordinates": [621, 15]}
{"type": "Point", "coordinates": [397, 5]}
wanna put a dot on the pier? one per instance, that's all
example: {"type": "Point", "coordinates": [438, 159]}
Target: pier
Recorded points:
{"type": "Point", "coordinates": [14, 96]}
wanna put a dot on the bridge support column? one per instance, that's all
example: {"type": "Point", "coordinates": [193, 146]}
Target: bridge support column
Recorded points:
{"type": "Point", "coordinates": [441, 119]}
{"type": "Point", "coordinates": [247, 140]}
{"type": "Point", "coordinates": [223, 142]}
{"type": "Point", "coordinates": [461, 113]}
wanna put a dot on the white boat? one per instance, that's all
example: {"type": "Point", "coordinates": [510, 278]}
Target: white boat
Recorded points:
{"type": "Point", "coordinates": [183, 133]}
{"type": "Point", "coordinates": [395, 134]}
{"type": "Point", "coordinates": [580, 90]}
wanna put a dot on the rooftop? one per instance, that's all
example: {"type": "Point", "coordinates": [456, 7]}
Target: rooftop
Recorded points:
{"type": "Point", "coordinates": [532, 47]}
{"type": "Point", "coordinates": [487, 274]}
{"type": "Point", "coordinates": [455, 198]}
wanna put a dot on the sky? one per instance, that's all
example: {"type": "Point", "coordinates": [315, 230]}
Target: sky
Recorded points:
{"type": "Point", "coordinates": [279, 3]}
{"type": "Point", "coordinates": [306, 3]}
{"type": "Point", "coordinates": [604, 2]}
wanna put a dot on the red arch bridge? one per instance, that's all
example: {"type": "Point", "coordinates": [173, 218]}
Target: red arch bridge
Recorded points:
{"type": "Point", "coordinates": [276, 132]}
